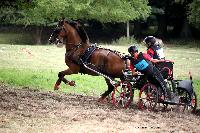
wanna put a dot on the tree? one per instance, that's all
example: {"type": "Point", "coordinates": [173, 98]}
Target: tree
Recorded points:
{"type": "Point", "coordinates": [171, 13]}
{"type": "Point", "coordinates": [39, 14]}
{"type": "Point", "coordinates": [194, 17]}
{"type": "Point", "coordinates": [43, 12]}
{"type": "Point", "coordinates": [120, 11]}
{"type": "Point", "coordinates": [8, 12]}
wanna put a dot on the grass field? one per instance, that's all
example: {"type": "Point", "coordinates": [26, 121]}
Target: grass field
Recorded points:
{"type": "Point", "coordinates": [38, 66]}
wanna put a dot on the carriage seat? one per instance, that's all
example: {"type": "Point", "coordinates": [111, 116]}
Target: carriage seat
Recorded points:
{"type": "Point", "coordinates": [166, 69]}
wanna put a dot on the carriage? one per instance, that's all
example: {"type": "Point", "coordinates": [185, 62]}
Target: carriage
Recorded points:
{"type": "Point", "coordinates": [82, 57]}
{"type": "Point", "coordinates": [150, 96]}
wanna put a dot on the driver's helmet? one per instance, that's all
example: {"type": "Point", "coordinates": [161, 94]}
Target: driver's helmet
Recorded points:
{"type": "Point", "coordinates": [133, 49]}
{"type": "Point", "coordinates": [149, 40]}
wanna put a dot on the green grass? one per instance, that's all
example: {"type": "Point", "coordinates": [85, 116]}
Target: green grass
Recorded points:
{"type": "Point", "coordinates": [38, 66]}
{"type": "Point", "coordinates": [45, 79]}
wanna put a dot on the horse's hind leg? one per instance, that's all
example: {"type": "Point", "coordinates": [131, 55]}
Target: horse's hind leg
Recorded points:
{"type": "Point", "coordinates": [106, 93]}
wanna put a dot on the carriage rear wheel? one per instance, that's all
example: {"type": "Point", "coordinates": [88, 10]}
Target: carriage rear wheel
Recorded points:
{"type": "Point", "coordinates": [122, 95]}
{"type": "Point", "coordinates": [187, 102]}
{"type": "Point", "coordinates": [148, 97]}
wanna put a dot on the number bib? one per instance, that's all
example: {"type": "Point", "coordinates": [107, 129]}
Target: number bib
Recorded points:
{"type": "Point", "coordinates": [141, 65]}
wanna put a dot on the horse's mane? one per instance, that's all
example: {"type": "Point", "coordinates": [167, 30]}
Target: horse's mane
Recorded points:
{"type": "Point", "coordinates": [83, 34]}
{"type": "Point", "coordinates": [81, 31]}
{"type": "Point", "coordinates": [76, 25]}
{"type": "Point", "coordinates": [84, 37]}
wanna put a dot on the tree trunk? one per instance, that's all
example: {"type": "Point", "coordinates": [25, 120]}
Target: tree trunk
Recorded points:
{"type": "Point", "coordinates": [178, 24]}
{"type": "Point", "coordinates": [38, 35]}
{"type": "Point", "coordinates": [162, 26]}
{"type": "Point", "coordinates": [186, 31]}
{"type": "Point", "coordinates": [137, 29]}
{"type": "Point", "coordinates": [128, 29]}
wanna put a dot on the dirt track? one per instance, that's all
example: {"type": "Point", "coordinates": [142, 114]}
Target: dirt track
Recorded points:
{"type": "Point", "coordinates": [27, 110]}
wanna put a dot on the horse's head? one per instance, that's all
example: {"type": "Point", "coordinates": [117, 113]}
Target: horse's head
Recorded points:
{"type": "Point", "coordinates": [68, 32]}
{"type": "Point", "coordinates": [56, 37]}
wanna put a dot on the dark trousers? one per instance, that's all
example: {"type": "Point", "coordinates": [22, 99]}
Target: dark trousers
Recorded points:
{"type": "Point", "coordinates": [156, 78]}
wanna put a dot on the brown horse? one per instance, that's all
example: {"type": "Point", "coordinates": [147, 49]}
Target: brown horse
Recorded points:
{"type": "Point", "coordinates": [83, 57]}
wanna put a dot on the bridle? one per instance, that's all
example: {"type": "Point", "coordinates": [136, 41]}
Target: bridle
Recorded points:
{"type": "Point", "coordinates": [75, 47]}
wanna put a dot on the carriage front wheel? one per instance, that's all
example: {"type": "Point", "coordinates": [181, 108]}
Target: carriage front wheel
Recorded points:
{"type": "Point", "coordinates": [148, 97]}
{"type": "Point", "coordinates": [122, 95]}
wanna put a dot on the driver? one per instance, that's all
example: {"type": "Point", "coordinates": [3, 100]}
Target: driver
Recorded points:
{"type": "Point", "coordinates": [143, 64]}
{"type": "Point", "coordinates": [153, 48]}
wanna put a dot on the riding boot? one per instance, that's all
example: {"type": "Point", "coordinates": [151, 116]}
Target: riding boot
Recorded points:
{"type": "Point", "coordinates": [158, 76]}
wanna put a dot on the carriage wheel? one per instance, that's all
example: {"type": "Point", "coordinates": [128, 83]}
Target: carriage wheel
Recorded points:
{"type": "Point", "coordinates": [187, 103]}
{"type": "Point", "coordinates": [161, 105]}
{"type": "Point", "coordinates": [122, 95]}
{"type": "Point", "coordinates": [193, 103]}
{"type": "Point", "coordinates": [148, 97]}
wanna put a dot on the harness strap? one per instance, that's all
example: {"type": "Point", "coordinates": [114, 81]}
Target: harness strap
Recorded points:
{"type": "Point", "coordinates": [87, 53]}
{"type": "Point", "coordinates": [76, 47]}
{"type": "Point", "coordinates": [111, 80]}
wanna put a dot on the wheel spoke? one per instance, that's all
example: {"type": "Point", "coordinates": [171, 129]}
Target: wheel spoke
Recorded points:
{"type": "Point", "coordinates": [122, 95]}
{"type": "Point", "coordinates": [148, 95]}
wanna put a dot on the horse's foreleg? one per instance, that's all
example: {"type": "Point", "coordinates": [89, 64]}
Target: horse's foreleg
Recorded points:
{"type": "Point", "coordinates": [61, 78]}
{"type": "Point", "coordinates": [106, 93]}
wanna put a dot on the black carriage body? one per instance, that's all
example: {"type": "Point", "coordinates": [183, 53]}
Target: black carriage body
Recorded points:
{"type": "Point", "coordinates": [186, 85]}
{"type": "Point", "coordinates": [137, 81]}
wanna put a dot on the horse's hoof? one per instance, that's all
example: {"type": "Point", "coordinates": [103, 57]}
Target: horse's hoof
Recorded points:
{"type": "Point", "coordinates": [56, 87]}
{"type": "Point", "coordinates": [72, 83]}
{"type": "Point", "coordinates": [140, 105]}
{"type": "Point", "coordinates": [102, 99]}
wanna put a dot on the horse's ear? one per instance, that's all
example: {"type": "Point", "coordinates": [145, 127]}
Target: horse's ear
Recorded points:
{"type": "Point", "coordinates": [78, 23]}
{"type": "Point", "coordinates": [61, 22]}
{"type": "Point", "coordinates": [75, 23]}
{"type": "Point", "coordinates": [65, 20]}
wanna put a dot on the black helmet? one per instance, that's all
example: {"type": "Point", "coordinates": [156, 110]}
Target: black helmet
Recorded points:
{"type": "Point", "coordinates": [132, 49]}
{"type": "Point", "coordinates": [149, 40]}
